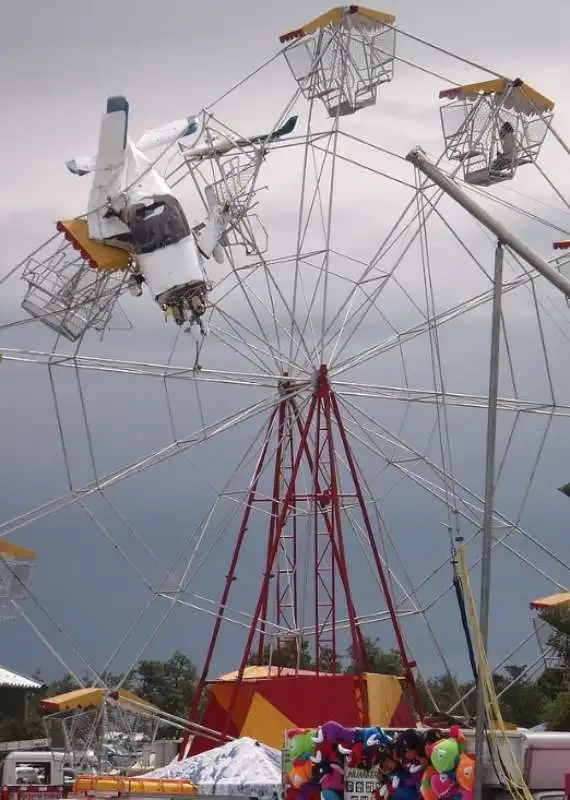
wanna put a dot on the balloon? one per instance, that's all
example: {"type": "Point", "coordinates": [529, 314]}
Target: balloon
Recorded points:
{"type": "Point", "coordinates": [445, 755]}
{"type": "Point", "coordinates": [465, 772]}
{"type": "Point", "coordinates": [301, 743]}
{"type": "Point", "coordinates": [300, 774]}
{"type": "Point", "coordinates": [425, 787]}
{"type": "Point", "coordinates": [443, 785]}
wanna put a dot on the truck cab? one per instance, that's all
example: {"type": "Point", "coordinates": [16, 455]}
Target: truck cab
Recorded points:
{"type": "Point", "coordinates": [34, 767]}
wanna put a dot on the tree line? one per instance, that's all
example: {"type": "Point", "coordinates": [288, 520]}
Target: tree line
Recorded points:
{"type": "Point", "coordinates": [524, 701]}
{"type": "Point", "coordinates": [170, 684]}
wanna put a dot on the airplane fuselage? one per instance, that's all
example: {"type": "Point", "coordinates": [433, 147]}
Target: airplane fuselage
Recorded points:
{"type": "Point", "coordinates": [131, 206]}
{"type": "Point", "coordinates": [152, 222]}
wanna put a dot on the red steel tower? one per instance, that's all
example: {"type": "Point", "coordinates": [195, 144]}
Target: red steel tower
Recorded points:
{"type": "Point", "coordinates": [315, 442]}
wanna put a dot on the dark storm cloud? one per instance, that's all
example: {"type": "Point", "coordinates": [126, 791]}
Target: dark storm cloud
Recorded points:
{"type": "Point", "coordinates": [171, 59]}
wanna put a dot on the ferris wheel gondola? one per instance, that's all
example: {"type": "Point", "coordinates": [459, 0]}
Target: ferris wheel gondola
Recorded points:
{"type": "Point", "coordinates": [16, 565]}
{"type": "Point", "coordinates": [342, 57]}
{"type": "Point", "coordinates": [494, 127]}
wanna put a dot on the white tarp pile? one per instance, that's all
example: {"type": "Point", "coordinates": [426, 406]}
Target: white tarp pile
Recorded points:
{"type": "Point", "coordinates": [243, 768]}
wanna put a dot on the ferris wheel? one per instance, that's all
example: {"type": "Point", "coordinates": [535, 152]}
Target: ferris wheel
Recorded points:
{"type": "Point", "coordinates": [321, 385]}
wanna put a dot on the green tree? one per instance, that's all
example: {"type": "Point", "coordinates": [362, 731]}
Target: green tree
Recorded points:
{"type": "Point", "coordinates": [443, 692]}
{"type": "Point", "coordinates": [558, 618]}
{"type": "Point", "coordinates": [552, 682]}
{"type": "Point", "coordinates": [557, 712]}
{"type": "Point", "coordinates": [329, 662]}
{"type": "Point", "coordinates": [59, 686]}
{"type": "Point", "coordinates": [523, 701]}
{"type": "Point", "coordinates": [383, 662]}
{"type": "Point", "coordinates": [287, 654]}
{"type": "Point", "coordinates": [167, 684]}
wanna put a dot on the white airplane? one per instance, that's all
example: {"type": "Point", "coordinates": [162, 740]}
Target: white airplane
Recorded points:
{"type": "Point", "coordinates": [131, 206]}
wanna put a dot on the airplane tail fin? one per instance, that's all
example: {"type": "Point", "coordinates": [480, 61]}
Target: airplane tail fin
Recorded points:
{"type": "Point", "coordinates": [83, 165]}
{"type": "Point", "coordinates": [287, 128]}
{"type": "Point", "coordinates": [108, 167]}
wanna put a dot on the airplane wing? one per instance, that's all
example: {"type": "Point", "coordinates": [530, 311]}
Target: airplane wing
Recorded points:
{"type": "Point", "coordinates": [167, 134]}
{"type": "Point", "coordinates": [109, 165]}
{"type": "Point", "coordinates": [225, 144]}
{"type": "Point", "coordinates": [157, 137]}
{"type": "Point", "coordinates": [82, 165]}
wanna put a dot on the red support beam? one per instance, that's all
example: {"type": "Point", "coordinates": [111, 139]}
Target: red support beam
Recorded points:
{"type": "Point", "coordinates": [275, 500]}
{"type": "Point", "coordinates": [309, 441]}
{"type": "Point", "coordinates": [286, 595]}
{"type": "Point", "coordinates": [271, 559]}
{"type": "Point", "coordinates": [230, 577]}
{"type": "Point", "coordinates": [407, 663]}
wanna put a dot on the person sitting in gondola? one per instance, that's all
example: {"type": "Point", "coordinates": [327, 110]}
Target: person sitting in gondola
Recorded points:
{"type": "Point", "coordinates": [506, 157]}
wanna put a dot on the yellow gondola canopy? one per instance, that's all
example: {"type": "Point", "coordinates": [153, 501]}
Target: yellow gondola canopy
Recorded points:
{"type": "Point", "coordinates": [152, 787]}
{"type": "Point", "coordinates": [97, 254]}
{"type": "Point", "coordinates": [520, 97]}
{"type": "Point", "coordinates": [552, 601]}
{"type": "Point", "coordinates": [94, 696]}
{"type": "Point", "coordinates": [16, 551]}
{"type": "Point", "coordinates": [359, 15]}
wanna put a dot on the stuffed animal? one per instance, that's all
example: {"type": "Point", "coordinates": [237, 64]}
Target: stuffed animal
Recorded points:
{"type": "Point", "coordinates": [411, 747]}
{"type": "Point", "coordinates": [456, 733]}
{"type": "Point", "coordinates": [372, 736]}
{"type": "Point", "coordinates": [334, 732]}
{"type": "Point", "coordinates": [443, 785]}
{"type": "Point", "coordinates": [360, 755]}
{"type": "Point", "coordinates": [300, 773]}
{"type": "Point", "coordinates": [330, 776]}
{"type": "Point", "coordinates": [355, 755]}
{"type": "Point", "coordinates": [391, 776]}
{"type": "Point", "coordinates": [366, 743]}
{"type": "Point", "coordinates": [325, 751]}
{"type": "Point", "coordinates": [444, 755]}
{"type": "Point", "coordinates": [431, 737]}
{"type": "Point", "coordinates": [301, 743]}
{"type": "Point", "coordinates": [465, 773]}
{"type": "Point", "coordinates": [425, 786]}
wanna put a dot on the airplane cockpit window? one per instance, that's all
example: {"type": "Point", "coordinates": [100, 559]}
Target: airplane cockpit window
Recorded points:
{"type": "Point", "coordinates": [159, 224]}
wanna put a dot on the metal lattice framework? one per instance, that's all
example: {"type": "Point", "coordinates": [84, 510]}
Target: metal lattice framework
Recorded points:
{"type": "Point", "coordinates": [16, 565]}
{"type": "Point", "coordinates": [66, 294]}
{"type": "Point", "coordinates": [344, 61]}
{"type": "Point", "coordinates": [106, 739]}
{"type": "Point", "coordinates": [335, 326]}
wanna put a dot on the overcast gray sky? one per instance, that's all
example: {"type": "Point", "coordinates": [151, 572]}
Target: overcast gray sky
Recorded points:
{"type": "Point", "coordinates": [170, 59]}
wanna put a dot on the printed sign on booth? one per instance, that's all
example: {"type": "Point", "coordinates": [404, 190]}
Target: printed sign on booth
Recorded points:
{"type": "Point", "coordinates": [359, 784]}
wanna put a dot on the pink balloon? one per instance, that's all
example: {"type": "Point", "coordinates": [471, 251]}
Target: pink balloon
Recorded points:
{"type": "Point", "coordinates": [443, 785]}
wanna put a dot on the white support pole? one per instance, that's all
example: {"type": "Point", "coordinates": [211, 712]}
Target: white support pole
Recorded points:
{"type": "Point", "coordinates": [487, 537]}
{"type": "Point", "coordinates": [419, 159]}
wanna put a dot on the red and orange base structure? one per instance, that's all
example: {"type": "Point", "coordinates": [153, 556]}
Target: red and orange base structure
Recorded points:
{"type": "Point", "coordinates": [271, 700]}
